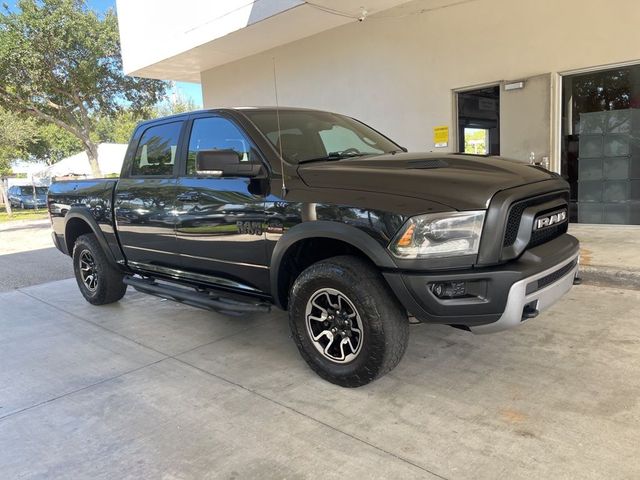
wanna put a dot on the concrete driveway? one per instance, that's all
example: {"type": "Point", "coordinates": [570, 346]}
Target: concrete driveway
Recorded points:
{"type": "Point", "coordinates": [151, 389]}
{"type": "Point", "coordinates": [27, 255]}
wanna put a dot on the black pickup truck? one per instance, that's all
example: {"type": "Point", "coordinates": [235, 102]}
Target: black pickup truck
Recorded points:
{"type": "Point", "coordinates": [237, 210]}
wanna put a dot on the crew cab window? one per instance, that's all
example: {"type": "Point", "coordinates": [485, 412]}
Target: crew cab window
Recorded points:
{"type": "Point", "coordinates": [217, 133]}
{"type": "Point", "coordinates": [156, 152]}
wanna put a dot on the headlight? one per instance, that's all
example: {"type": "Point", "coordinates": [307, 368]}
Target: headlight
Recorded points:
{"type": "Point", "coordinates": [446, 234]}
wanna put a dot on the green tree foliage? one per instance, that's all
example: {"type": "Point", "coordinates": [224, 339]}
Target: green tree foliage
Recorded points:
{"type": "Point", "coordinates": [118, 128]}
{"type": "Point", "coordinates": [52, 144]}
{"type": "Point", "coordinates": [173, 106]}
{"type": "Point", "coordinates": [16, 135]}
{"type": "Point", "coordinates": [60, 63]}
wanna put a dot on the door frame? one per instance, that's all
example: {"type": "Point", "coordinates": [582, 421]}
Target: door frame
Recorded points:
{"type": "Point", "coordinates": [455, 135]}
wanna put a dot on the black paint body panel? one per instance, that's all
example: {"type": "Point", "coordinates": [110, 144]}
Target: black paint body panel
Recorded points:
{"type": "Point", "coordinates": [232, 233]}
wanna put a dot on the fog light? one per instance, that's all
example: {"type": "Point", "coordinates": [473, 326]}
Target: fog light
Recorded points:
{"type": "Point", "coordinates": [449, 289]}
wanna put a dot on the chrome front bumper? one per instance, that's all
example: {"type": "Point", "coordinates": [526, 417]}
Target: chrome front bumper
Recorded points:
{"type": "Point", "coordinates": [539, 300]}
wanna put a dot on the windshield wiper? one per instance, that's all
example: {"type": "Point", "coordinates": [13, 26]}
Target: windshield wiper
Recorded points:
{"type": "Point", "coordinates": [334, 156]}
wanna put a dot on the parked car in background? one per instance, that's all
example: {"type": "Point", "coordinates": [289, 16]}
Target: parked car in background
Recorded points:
{"type": "Point", "coordinates": [23, 197]}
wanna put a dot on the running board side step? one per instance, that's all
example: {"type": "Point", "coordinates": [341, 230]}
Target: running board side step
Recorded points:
{"type": "Point", "coordinates": [205, 300]}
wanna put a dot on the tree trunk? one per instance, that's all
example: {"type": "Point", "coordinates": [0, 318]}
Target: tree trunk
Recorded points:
{"type": "Point", "coordinates": [92, 155]}
{"type": "Point", "coordinates": [4, 197]}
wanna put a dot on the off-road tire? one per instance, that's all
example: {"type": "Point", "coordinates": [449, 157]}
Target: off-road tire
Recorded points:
{"type": "Point", "coordinates": [110, 287]}
{"type": "Point", "coordinates": [385, 322]}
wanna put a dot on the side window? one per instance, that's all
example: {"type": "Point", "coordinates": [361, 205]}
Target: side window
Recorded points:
{"type": "Point", "coordinates": [216, 133]}
{"type": "Point", "coordinates": [156, 152]}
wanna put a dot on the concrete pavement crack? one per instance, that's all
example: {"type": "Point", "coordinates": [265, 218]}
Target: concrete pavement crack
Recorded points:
{"type": "Point", "coordinates": [249, 390]}
{"type": "Point", "coordinates": [77, 390]}
{"type": "Point", "coordinates": [167, 355]}
{"type": "Point", "coordinates": [313, 419]}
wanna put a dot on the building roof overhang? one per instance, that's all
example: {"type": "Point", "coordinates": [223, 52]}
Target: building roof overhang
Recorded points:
{"type": "Point", "coordinates": [200, 44]}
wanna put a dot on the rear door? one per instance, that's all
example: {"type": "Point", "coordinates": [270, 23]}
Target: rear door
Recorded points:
{"type": "Point", "coordinates": [145, 197]}
{"type": "Point", "coordinates": [220, 220]}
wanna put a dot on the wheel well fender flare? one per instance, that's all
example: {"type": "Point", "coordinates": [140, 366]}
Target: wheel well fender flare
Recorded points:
{"type": "Point", "coordinates": [82, 214]}
{"type": "Point", "coordinates": [349, 234]}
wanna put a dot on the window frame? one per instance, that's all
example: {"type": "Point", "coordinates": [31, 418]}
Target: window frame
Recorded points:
{"type": "Point", "coordinates": [140, 132]}
{"type": "Point", "coordinates": [186, 139]}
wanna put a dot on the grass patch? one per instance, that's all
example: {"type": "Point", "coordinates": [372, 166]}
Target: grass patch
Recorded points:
{"type": "Point", "coordinates": [22, 214]}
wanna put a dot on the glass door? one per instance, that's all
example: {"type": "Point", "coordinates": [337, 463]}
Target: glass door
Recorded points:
{"type": "Point", "coordinates": [601, 145]}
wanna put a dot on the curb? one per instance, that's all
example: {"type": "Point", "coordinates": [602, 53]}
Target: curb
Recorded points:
{"type": "Point", "coordinates": [610, 276]}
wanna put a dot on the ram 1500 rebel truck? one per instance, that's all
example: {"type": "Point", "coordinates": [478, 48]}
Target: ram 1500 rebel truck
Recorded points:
{"type": "Point", "coordinates": [238, 210]}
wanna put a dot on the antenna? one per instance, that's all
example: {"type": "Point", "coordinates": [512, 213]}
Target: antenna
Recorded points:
{"type": "Point", "coordinates": [275, 88]}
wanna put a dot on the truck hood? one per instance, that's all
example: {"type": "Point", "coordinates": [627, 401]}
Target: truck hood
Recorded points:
{"type": "Point", "coordinates": [462, 182]}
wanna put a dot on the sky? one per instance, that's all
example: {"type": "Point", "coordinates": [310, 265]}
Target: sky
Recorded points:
{"type": "Point", "coordinates": [187, 90]}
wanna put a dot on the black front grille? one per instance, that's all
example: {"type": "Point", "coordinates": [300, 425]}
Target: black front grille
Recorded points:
{"type": "Point", "coordinates": [549, 279]}
{"type": "Point", "coordinates": [513, 221]}
{"type": "Point", "coordinates": [538, 237]}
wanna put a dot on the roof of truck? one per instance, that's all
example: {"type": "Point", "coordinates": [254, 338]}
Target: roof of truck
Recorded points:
{"type": "Point", "coordinates": [227, 109]}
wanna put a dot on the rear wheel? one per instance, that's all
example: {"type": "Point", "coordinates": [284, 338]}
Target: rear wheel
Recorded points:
{"type": "Point", "coordinates": [99, 281]}
{"type": "Point", "coordinates": [347, 324]}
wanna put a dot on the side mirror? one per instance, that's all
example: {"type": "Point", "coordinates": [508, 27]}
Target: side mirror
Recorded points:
{"type": "Point", "coordinates": [224, 163]}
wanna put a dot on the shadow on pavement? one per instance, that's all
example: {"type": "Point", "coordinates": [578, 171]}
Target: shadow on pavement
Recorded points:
{"type": "Point", "coordinates": [22, 227]}
{"type": "Point", "coordinates": [33, 267]}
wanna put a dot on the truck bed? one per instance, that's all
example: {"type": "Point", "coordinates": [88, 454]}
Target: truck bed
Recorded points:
{"type": "Point", "coordinates": [92, 198]}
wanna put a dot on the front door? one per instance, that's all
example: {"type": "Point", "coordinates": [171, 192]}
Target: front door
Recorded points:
{"type": "Point", "coordinates": [145, 199]}
{"type": "Point", "coordinates": [219, 223]}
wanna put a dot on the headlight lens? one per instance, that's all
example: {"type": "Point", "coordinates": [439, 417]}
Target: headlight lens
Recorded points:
{"type": "Point", "coordinates": [439, 235]}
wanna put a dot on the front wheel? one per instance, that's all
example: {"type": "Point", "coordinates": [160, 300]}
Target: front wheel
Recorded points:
{"type": "Point", "coordinates": [99, 281]}
{"type": "Point", "coordinates": [347, 324]}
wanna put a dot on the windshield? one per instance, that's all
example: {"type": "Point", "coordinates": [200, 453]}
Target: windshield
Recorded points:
{"type": "Point", "coordinates": [310, 135]}
{"type": "Point", "coordinates": [29, 190]}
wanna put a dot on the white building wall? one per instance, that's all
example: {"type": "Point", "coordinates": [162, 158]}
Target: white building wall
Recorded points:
{"type": "Point", "coordinates": [397, 74]}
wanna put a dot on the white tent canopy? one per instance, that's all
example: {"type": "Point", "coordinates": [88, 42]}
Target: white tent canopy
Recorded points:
{"type": "Point", "coordinates": [110, 158]}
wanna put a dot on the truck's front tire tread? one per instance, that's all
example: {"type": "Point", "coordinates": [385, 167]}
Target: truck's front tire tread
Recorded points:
{"type": "Point", "coordinates": [110, 287]}
{"type": "Point", "coordinates": [386, 329]}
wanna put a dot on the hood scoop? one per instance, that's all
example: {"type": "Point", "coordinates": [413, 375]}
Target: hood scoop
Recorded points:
{"type": "Point", "coordinates": [428, 163]}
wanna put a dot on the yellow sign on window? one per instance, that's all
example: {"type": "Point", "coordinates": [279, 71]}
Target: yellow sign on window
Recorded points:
{"type": "Point", "coordinates": [441, 136]}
